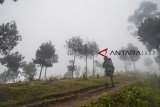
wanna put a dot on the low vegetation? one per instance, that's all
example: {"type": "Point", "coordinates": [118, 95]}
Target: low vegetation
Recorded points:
{"type": "Point", "coordinates": [142, 94]}
{"type": "Point", "coordinates": [40, 91]}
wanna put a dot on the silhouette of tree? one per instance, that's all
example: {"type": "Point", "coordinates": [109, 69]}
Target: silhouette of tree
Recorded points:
{"type": "Point", "coordinates": [74, 48]}
{"type": "Point", "coordinates": [45, 56]}
{"type": "Point", "coordinates": [13, 62]}
{"type": "Point", "coordinates": [2, 1]}
{"type": "Point", "coordinates": [49, 63]}
{"type": "Point", "coordinates": [148, 33]}
{"type": "Point", "coordinates": [77, 72]}
{"type": "Point", "coordinates": [2, 76]}
{"type": "Point", "coordinates": [9, 37]}
{"type": "Point", "coordinates": [146, 10]}
{"type": "Point", "coordinates": [134, 54]}
{"type": "Point", "coordinates": [29, 70]}
{"type": "Point", "coordinates": [86, 52]}
{"type": "Point", "coordinates": [124, 57]}
{"type": "Point", "coordinates": [93, 51]}
{"type": "Point", "coordinates": [146, 20]}
{"type": "Point", "coordinates": [71, 68]}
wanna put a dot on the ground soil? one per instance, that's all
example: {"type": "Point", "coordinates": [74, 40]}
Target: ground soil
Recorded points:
{"type": "Point", "coordinates": [89, 96]}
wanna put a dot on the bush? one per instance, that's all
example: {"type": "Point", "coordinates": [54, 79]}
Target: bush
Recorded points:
{"type": "Point", "coordinates": [31, 77]}
{"type": "Point", "coordinates": [51, 79]}
{"type": "Point", "coordinates": [137, 95]}
{"type": "Point", "coordinates": [105, 100]}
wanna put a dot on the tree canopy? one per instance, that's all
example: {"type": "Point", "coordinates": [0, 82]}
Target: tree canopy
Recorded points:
{"type": "Point", "coordinates": [13, 62]}
{"type": "Point", "coordinates": [29, 70]}
{"type": "Point", "coordinates": [146, 10]}
{"type": "Point", "coordinates": [46, 56]}
{"type": "Point", "coordinates": [2, 1]}
{"type": "Point", "coordinates": [9, 37]}
{"type": "Point", "coordinates": [74, 46]}
{"type": "Point", "coordinates": [149, 33]}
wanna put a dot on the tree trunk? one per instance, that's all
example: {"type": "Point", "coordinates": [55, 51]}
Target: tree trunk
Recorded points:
{"type": "Point", "coordinates": [74, 59]}
{"type": "Point", "coordinates": [40, 72]}
{"type": "Point", "coordinates": [6, 77]}
{"type": "Point", "coordinates": [45, 73]}
{"type": "Point", "coordinates": [134, 66]}
{"type": "Point", "coordinates": [86, 66]}
{"type": "Point", "coordinates": [93, 67]}
{"type": "Point", "coordinates": [125, 65]}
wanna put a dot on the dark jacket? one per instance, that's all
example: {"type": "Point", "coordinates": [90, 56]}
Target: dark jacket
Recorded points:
{"type": "Point", "coordinates": [108, 65]}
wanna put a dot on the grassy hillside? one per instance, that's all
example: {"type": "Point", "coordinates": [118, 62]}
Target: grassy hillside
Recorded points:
{"type": "Point", "coordinates": [141, 94]}
{"type": "Point", "coordinates": [22, 93]}
{"type": "Point", "coordinates": [38, 90]}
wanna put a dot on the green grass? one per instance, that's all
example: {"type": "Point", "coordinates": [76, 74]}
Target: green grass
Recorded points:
{"type": "Point", "coordinates": [30, 91]}
{"type": "Point", "coordinates": [145, 93]}
{"type": "Point", "coordinates": [41, 91]}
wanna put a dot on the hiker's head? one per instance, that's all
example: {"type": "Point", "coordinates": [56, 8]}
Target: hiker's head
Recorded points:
{"type": "Point", "coordinates": [109, 59]}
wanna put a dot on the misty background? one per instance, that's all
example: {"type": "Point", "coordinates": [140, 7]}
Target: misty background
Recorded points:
{"type": "Point", "coordinates": [105, 21]}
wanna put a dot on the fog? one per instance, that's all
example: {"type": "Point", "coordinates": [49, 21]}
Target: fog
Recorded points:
{"type": "Point", "coordinates": [104, 21]}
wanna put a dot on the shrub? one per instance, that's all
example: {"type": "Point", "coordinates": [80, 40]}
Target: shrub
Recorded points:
{"type": "Point", "coordinates": [137, 95]}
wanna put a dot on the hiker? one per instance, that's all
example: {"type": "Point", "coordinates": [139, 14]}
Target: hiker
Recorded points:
{"type": "Point", "coordinates": [109, 69]}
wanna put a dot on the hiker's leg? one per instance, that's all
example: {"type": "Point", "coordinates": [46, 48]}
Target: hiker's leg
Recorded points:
{"type": "Point", "coordinates": [111, 78]}
{"type": "Point", "coordinates": [105, 78]}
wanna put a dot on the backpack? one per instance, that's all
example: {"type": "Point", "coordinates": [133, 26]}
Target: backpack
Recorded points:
{"type": "Point", "coordinates": [108, 65]}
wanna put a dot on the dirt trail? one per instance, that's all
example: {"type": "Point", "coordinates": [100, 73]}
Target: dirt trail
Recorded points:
{"type": "Point", "coordinates": [89, 96]}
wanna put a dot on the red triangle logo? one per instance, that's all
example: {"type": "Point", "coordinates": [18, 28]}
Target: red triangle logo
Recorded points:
{"type": "Point", "coordinates": [103, 52]}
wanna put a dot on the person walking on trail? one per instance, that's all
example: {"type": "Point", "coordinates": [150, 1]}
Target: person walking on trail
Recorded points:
{"type": "Point", "coordinates": [109, 69]}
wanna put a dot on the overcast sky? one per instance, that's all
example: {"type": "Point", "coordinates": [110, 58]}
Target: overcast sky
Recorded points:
{"type": "Point", "coordinates": [38, 21]}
